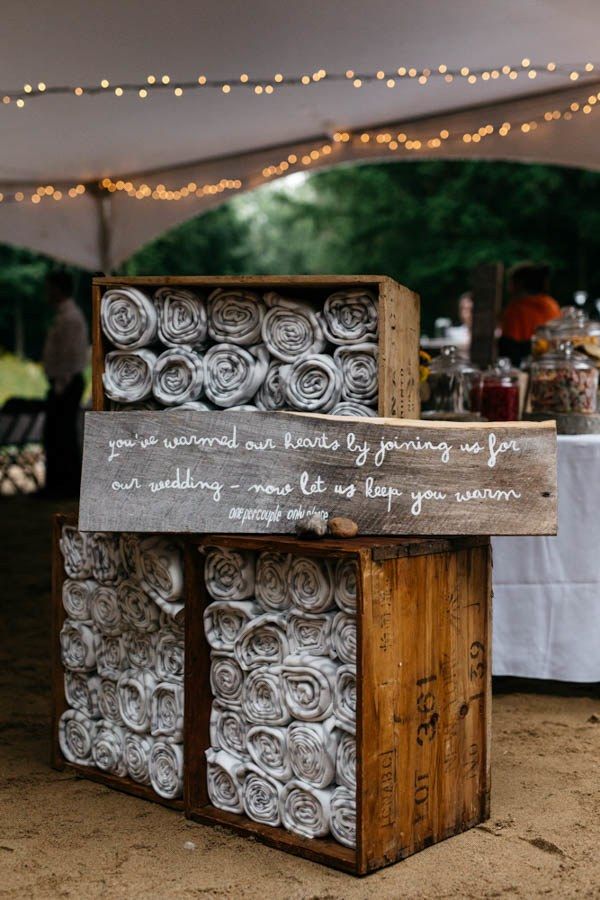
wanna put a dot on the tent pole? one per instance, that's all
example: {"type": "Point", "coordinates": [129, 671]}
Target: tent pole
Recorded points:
{"type": "Point", "coordinates": [103, 207]}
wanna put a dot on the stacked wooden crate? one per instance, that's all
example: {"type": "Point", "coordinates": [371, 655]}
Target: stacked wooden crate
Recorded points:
{"type": "Point", "coordinates": [422, 673]}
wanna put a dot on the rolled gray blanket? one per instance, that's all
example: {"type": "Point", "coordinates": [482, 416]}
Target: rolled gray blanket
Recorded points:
{"type": "Point", "coordinates": [140, 649]}
{"type": "Point", "coordinates": [350, 408]}
{"type": "Point", "coordinates": [106, 611]}
{"type": "Point", "coordinates": [108, 701]}
{"type": "Point", "coordinates": [182, 320]}
{"type": "Point", "coordinates": [346, 589]}
{"type": "Point", "coordinates": [111, 658]}
{"type": "Point", "coordinates": [138, 610]}
{"type": "Point", "coordinates": [161, 572]}
{"type": "Point", "coordinates": [232, 375]}
{"type": "Point", "coordinates": [343, 816]}
{"type": "Point", "coordinates": [129, 545]}
{"type": "Point", "coordinates": [235, 316]}
{"type": "Point", "coordinates": [351, 317]}
{"type": "Point", "coordinates": [271, 588]}
{"type": "Point", "coordinates": [360, 374]}
{"type": "Point", "coordinates": [165, 768]}
{"type": "Point", "coordinates": [312, 384]}
{"type": "Point", "coordinates": [128, 317]}
{"type": "Point", "coordinates": [222, 780]}
{"type": "Point", "coordinates": [228, 730]}
{"type": "Point", "coordinates": [137, 756]}
{"type": "Point", "coordinates": [76, 597]}
{"type": "Point", "coordinates": [75, 547]}
{"type": "Point", "coordinates": [76, 734]}
{"type": "Point", "coordinates": [270, 394]}
{"type": "Point", "coordinates": [81, 692]}
{"type": "Point", "coordinates": [261, 795]}
{"type": "Point", "coordinates": [127, 376]}
{"type": "Point", "coordinates": [78, 644]}
{"type": "Point", "coordinates": [107, 567]}
{"type": "Point", "coordinates": [291, 329]}
{"type": "Point", "coordinates": [167, 711]}
{"type": "Point", "coordinates": [343, 637]}
{"type": "Point", "coordinates": [108, 748]}
{"type": "Point", "coordinates": [134, 691]}
{"type": "Point", "coordinates": [178, 377]}
{"type": "Point", "coordinates": [229, 574]}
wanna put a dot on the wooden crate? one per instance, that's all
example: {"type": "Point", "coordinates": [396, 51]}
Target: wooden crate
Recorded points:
{"type": "Point", "coordinates": [424, 695]}
{"type": "Point", "coordinates": [59, 704]}
{"type": "Point", "coordinates": [398, 332]}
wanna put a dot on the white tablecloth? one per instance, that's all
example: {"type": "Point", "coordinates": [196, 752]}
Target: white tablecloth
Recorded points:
{"type": "Point", "coordinates": [547, 590]}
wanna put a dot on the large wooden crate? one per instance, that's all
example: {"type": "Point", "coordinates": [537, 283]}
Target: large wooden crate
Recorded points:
{"type": "Point", "coordinates": [424, 695]}
{"type": "Point", "coordinates": [398, 332]}
{"type": "Point", "coordinates": [59, 703]}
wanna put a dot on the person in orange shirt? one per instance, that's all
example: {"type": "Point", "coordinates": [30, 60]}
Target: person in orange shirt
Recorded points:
{"type": "Point", "coordinates": [530, 305]}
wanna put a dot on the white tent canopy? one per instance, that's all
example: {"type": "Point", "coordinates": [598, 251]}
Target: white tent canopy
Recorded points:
{"type": "Point", "coordinates": [225, 141]}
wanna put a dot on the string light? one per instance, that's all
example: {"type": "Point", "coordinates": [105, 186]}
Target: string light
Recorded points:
{"type": "Point", "coordinates": [381, 76]}
{"type": "Point", "coordinates": [383, 138]}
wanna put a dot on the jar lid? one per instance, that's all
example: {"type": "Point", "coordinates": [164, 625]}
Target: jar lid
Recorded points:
{"type": "Point", "coordinates": [501, 372]}
{"type": "Point", "coordinates": [450, 362]}
{"type": "Point", "coordinates": [575, 324]}
{"type": "Point", "coordinates": [563, 356]}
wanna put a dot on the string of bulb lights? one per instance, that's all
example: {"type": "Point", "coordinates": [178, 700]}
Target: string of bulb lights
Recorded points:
{"type": "Point", "coordinates": [154, 84]}
{"type": "Point", "coordinates": [394, 141]}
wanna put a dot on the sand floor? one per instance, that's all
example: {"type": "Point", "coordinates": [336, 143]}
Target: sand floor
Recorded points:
{"type": "Point", "coordinates": [62, 836]}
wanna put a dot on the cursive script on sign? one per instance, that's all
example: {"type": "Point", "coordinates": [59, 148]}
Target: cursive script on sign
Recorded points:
{"type": "Point", "coordinates": [188, 471]}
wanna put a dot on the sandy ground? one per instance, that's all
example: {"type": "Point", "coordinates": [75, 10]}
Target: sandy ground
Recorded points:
{"type": "Point", "coordinates": [61, 836]}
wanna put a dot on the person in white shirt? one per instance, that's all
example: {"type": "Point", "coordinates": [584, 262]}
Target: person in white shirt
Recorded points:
{"type": "Point", "coordinates": [65, 357]}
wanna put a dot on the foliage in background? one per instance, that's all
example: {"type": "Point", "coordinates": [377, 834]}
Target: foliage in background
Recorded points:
{"type": "Point", "coordinates": [22, 378]}
{"type": "Point", "coordinates": [427, 224]}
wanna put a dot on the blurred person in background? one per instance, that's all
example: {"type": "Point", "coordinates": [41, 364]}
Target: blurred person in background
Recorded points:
{"type": "Point", "coordinates": [529, 306]}
{"type": "Point", "coordinates": [65, 357]}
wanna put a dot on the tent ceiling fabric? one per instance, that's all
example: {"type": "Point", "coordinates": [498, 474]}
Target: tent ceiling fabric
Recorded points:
{"type": "Point", "coordinates": [205, 135]}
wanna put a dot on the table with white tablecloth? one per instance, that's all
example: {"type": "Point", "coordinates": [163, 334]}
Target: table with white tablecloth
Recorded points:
{"type": "Point", "coordinates": [547, 589]}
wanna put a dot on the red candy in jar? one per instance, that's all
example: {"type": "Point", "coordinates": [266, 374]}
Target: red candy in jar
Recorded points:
{"type": "Point", "coordinates": [500, 393]}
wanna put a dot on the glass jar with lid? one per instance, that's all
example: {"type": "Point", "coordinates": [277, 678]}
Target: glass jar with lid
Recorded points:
{"type": "Point", "coordinates": [572, 325]}
{"type": "Point", "coordinates": [500, 392]}
{"type": "Point", "coordinates": [564, 381]}
{"type": "Point", "coordinates": [453, 386]}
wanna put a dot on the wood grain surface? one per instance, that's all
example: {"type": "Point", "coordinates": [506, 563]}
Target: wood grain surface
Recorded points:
{"type": "Point", "coordinates": [423, 704]}
{"type": "Point", "coordinates": [252, 472]}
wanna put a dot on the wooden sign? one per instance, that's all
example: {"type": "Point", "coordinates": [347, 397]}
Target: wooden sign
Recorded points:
{"type": "Point", "coordinates": [252, 472]}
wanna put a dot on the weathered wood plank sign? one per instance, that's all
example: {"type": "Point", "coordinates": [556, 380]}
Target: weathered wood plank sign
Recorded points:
{"type": "Point", "coordinates": [252, 472]}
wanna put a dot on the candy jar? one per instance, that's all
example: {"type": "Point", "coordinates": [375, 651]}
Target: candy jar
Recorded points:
{"type": "Point", "coordinates": [500, 392]}
{"type": "Point", "coordinates": [564, 381]}
{"type": "Point", "coordinates": [452, 387]}
{"type": "Point", "coordinates": [572, 325]}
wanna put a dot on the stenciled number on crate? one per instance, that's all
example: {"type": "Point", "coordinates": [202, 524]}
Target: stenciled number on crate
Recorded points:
{"type": "Point", "coordinates": [387, 782]}
{"type": "Point", "coordinates": [421, 796]}
{"type": "Point", "coordinates": [477, 667]}
{"type": "Point", "coordinates": [426, 707]}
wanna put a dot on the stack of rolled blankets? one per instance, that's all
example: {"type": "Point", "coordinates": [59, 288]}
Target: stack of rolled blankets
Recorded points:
{"type": "Point", "coordinates": [282, 633]}
{"type": "Point", "coordinates": [122, 648]}
{"type": "Point", "coordinates": [237, 349]}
